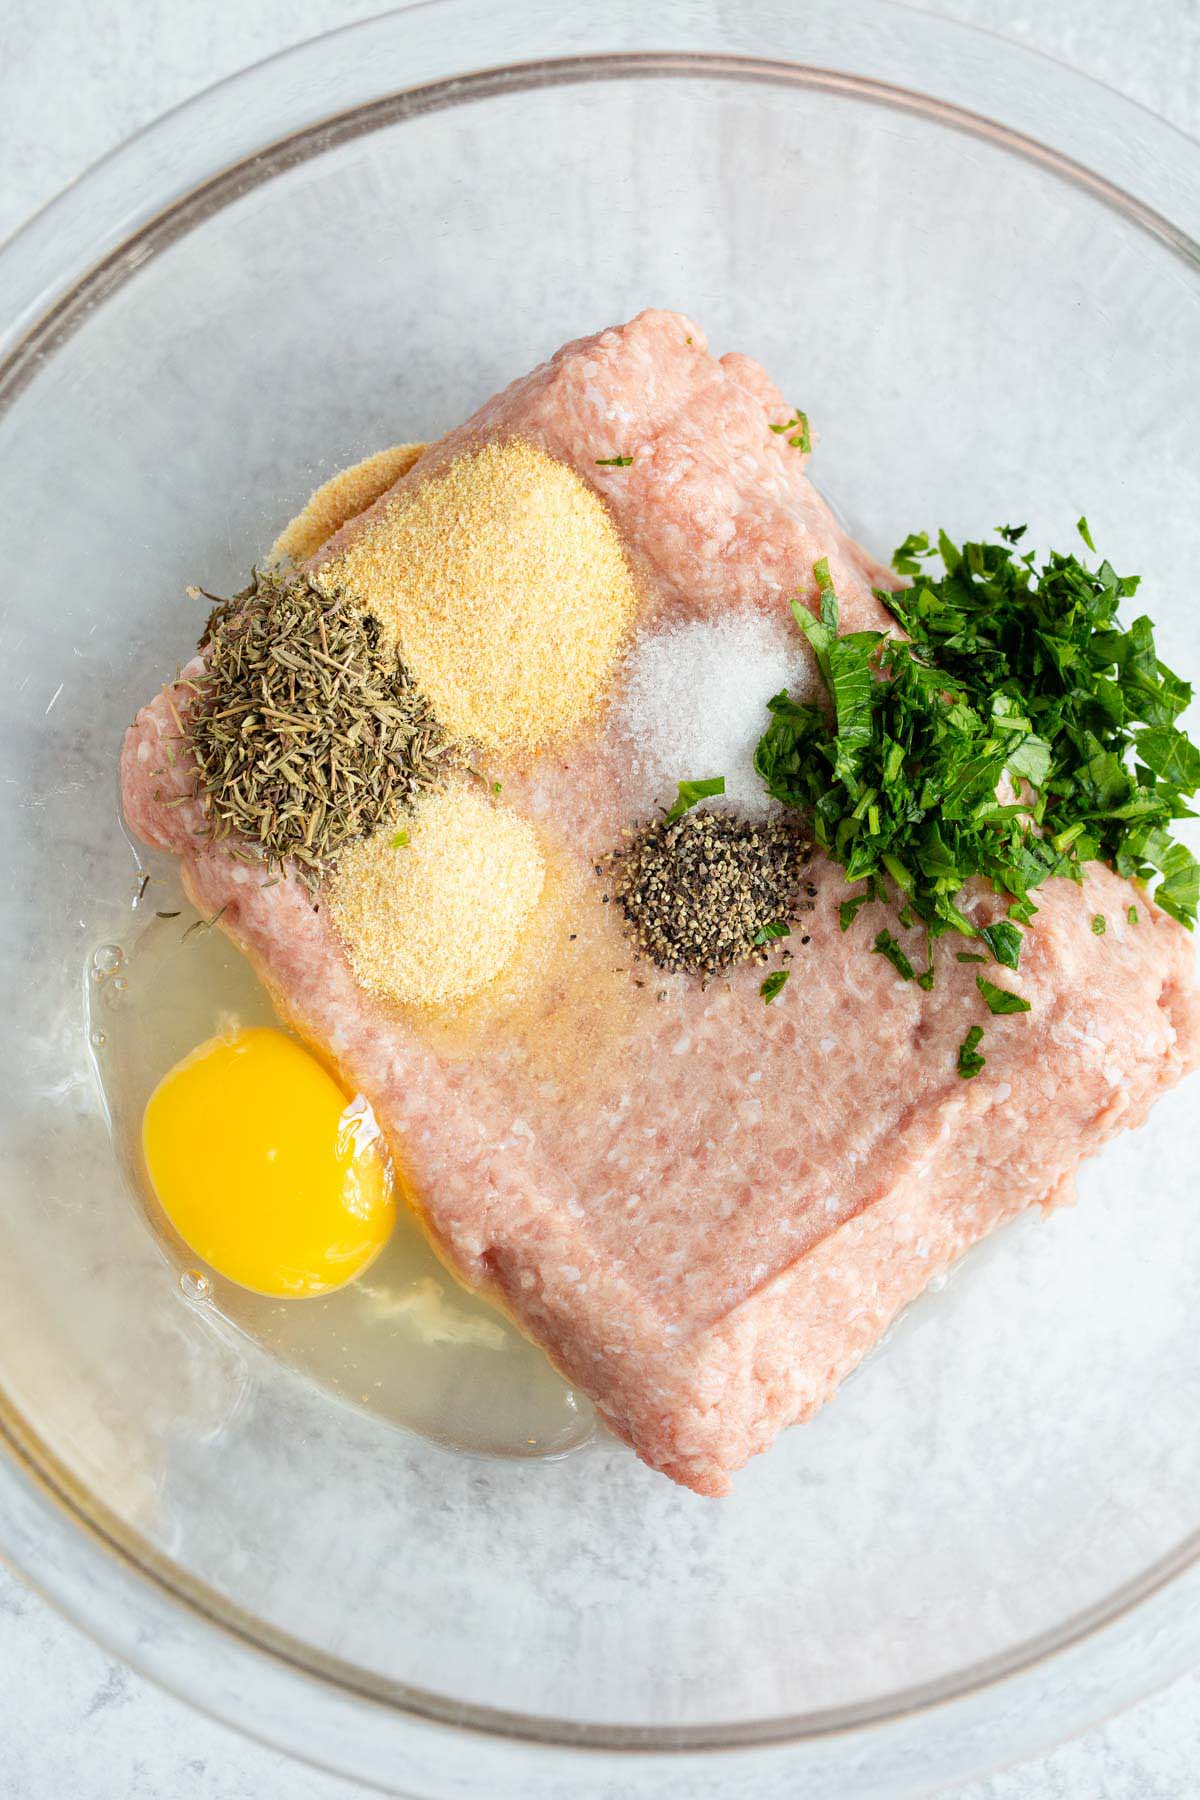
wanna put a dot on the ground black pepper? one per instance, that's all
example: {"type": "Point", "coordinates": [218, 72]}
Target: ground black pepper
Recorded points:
{"type": "Point", "coordinates": [698, 891]}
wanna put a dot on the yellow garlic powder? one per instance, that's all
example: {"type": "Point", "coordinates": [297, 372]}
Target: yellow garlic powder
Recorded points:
{"type": "Point", "coordinates": [503, 583]}
{"type": "Point", "coordinates": [437, 917]}
{"type": "Point", "coordinates": [342, 497]}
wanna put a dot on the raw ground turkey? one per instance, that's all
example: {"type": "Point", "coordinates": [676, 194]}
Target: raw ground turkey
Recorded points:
{"type": "Point", "coordinates": [706, 1209]}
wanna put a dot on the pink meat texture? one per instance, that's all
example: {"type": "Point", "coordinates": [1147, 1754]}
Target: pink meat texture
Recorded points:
{"type": "Point", "coordinates": [707, 1210]}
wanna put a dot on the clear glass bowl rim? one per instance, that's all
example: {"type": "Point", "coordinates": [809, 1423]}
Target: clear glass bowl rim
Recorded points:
{"type": "Point", "coordinates": [91, 239]}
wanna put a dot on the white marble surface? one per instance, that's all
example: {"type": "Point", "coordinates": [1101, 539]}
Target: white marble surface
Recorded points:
{"type": "Point", "coordinates": [75, 77]}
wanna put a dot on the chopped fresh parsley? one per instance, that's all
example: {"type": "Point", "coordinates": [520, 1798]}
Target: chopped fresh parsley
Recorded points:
{"type": "Point", "coordinates": [1132, 915]}
{"type": "Point", "coordinates": [886, 945]}
{"type": "Point", "coordinates": [690, 792]}
{"type": "Point", "coordinates": [1019, 733]}
{"type": "Point", "coordinates": [801, 438]}
{"type": "Point", "coordinates": [774, 985]}
{"type": "Point", "coordinates": [1099, 924]}
{"type": "Point", "coordinates": [1004, 941]}
{"type": "Point", "coordinates": [849, 910]}
{"type": "Point", "coordinates": [766, 934]}
{"type": "Point", "coordinates": [908, 557]}
{"type": "Point", "coordinates": [1000, 1000]}
{"type": "Point", "coordinates": [400, 840]}
{"type": "Point", "coordinates": [496, 787]}
{"type": "Point", "coordinates": [1082, 527]}
{"type": "Point", "coordinates": [969, 1060]}
{"type": "Point", "coordinates": [613, 462]}
{"type": "Point", "coordinates": [968, 956]}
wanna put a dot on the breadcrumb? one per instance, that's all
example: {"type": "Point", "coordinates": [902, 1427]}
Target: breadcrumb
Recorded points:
{"type": "Point", "coordinates": [504, 585]}
{"type": "Point", "coordinates": [342, 497]}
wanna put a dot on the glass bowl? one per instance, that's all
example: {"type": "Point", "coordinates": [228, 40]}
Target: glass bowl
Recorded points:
{"type": "Point", "coordinates": [975, 270]}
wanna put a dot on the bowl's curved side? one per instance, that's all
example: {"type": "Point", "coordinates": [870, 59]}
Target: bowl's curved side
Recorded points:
{"type": "Point", "coordinates": [68, 261]}
{"type": "Point", "coordinates": [273, 1695]}
{"type": "Point", "coordinates": [210, 149]}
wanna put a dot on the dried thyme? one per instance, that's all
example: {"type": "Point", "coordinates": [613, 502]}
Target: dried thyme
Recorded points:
{"type": "Point", "coordinates": [307, 731]}
{"type": "Point", "coordinates": [708, 890]}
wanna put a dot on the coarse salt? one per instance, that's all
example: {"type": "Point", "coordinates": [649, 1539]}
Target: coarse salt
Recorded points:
{"type": "Point", "coordinates": [695, 698]}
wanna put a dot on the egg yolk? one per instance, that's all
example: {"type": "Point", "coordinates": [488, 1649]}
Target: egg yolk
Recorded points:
{"type": "Point", "coordinates": [263, 1167]}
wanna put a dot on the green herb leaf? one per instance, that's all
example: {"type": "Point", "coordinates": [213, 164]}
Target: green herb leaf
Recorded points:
{"type": "Point", "coordinates": [969, 1060]}
{"type": "Point", "coordinates": [849, 910]}
{"type": "Point", "coordinates": [1000, 1000]}
{"type": "Point", "coordinates": [613, 462]}
{"type": "Point", "coordinates": [971, 956]}
{"type": "Point", "coordinates": [801, 438]}
{"type": "Point", "coordinates": [400, 840]}
{"type": "Point", "coordinates": [1012, 534]}
{"type": "Point", "coordinates": [1132, 915]}
{"type": "Point", "coordinates": [1099, 924]}
{"type": "Point", "coordinates": [1081, 526]}
{"type": "Point", "coordinates": [906, 558]}
{"type": "Point", "coordinates": [774, 985]}
{"type": "Point", "coordinates": [1169, 755]}
{"type": "Point", "coordinates": [691, 792]}
{"type": "Point", "coordinates": [845, 665]}
{"type": "Point", "coordinates": [1031, 761]}
{"type": "Point", "coordinates": [886, 945]}
{"type": "Point", "coordinates": [766, 934]}
{"type": "Point", "coordinates": [1004, 941]}
{"type": "Point", "coordinates": [1178, 893]}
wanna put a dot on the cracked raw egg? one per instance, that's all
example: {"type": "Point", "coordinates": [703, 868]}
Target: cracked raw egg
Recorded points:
{"type": "Point", "coordinates": [265, 1169]}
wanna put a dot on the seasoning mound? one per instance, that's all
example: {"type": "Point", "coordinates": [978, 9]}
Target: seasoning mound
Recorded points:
{"type": "Point", "coordinates": [708, 890]}
{"type": "Point", "coordinates": [342, 497]}
{"type": "Point", "coordinates": [434, 912]}
{"type": "Point", "coordinates": [694, 698]}
{"type": "Point", "coordinates": [307, 730]}
{"type": "Point", "coordinates": [503, 584]}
